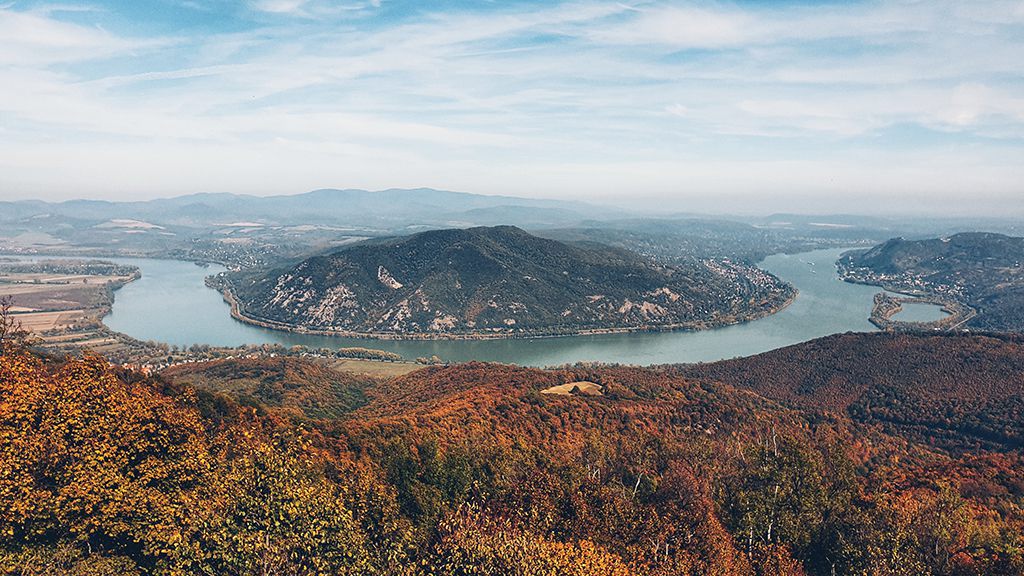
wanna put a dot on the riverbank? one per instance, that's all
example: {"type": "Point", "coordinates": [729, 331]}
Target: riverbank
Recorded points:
{"type": "Point", "coordinates": [236, 313]}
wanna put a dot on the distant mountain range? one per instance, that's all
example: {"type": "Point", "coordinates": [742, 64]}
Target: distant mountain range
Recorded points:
{"type": "Point", "coordinates": [244, 231]}
{"type": "Point", "coordinates": [362, 208]}
{"type": "Point", "coordinates": [247, 231]}
{"type": "Point", "coordinates": [982, 270]}
{"type": "Point", "coordinates": [499, 281]}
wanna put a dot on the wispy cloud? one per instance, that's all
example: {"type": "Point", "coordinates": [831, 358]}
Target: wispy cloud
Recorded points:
{"type": "Point", "coordinates": [280, 6]}
{"type": "Point", "coordinates": [312, 9]}
{"type": "Point", "coordinates": [682, 28]}
{"type": "Point", "coordinates": [37, 39]}
{"type": "Point", "coordinates": [577, 98]}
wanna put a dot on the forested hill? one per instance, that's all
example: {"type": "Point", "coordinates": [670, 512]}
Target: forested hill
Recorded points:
{"type": "Point", "coordinates": [501, 281]}
{"type": "Point", "coordinates": [982, 270]}
{"type": "Point", "coordinates": [956, 391]}
{"type": "Point", "coordinates": [943, 255]}
{"type": "Point", "coordinates": [494, 469]}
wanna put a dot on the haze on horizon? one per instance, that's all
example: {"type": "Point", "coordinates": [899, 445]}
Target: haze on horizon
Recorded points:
{"type": "Point", "coordinates": [868, 107]}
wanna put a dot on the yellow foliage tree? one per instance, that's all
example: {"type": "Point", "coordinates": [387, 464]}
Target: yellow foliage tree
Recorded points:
{"type": "Point", "coordinates": [270, 510]}
{"type": "Point", "coordinates": [473, 543]}
{"type": "Point", "coordinates": [90, 459]}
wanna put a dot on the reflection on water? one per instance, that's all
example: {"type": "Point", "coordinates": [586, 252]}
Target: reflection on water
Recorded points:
{"type": "Point", "coordinates": [171, 304]}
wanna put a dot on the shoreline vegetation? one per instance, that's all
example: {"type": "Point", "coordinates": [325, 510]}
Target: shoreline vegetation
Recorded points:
{"type": "Point", "coordinates": [236, 313]}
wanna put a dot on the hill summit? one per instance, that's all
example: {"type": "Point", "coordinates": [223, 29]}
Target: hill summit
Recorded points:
{"type": "Point", "coordinates": [499, 281]}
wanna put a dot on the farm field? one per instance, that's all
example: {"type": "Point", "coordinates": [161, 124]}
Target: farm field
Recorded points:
{"type": "Point", "coordinates": [62, 302]}
{"type": "Point", "coordinates": [374, 368]}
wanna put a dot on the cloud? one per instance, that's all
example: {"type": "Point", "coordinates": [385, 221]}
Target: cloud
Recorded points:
{"type": "Point", "coordinates": [560, 98]}
{"type": "Point", "coordinates": [970, 103]}
{"type": "Point", "coordinates": [682, 28]}
{"type": "Point", "coordinates": [280, 6]}
{"type": "Point", "coordinates": [312, 9]}
{"type": "Point", "coordinates": [678, 110]}
{"type": "Point", "coordinates": [37, 39]}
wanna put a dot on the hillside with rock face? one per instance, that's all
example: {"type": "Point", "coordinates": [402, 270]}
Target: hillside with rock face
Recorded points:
{"type": "Point", "coordinates": [499, 281]}
{"type": "Point", "coordinates": [982, 270]}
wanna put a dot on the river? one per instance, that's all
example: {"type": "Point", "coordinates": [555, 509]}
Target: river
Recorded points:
{"type": "Point", "coordinates": [170, 303]}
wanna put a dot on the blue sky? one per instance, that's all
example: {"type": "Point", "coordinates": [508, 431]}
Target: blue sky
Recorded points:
{"type": "Point", "coordinates": [723, 107]}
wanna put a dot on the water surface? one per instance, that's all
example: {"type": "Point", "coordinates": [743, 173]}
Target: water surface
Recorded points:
{"type": "Point", "coordinates": [170, 303]}
{"type": "Point", "coordinates": [920, 312]}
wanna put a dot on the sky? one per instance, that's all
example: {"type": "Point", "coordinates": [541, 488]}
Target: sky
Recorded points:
{"type": "Point", "coordinates": [865, 107]}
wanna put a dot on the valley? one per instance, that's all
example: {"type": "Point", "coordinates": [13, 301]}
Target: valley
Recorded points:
{"type": "Point", "coordinates": [779, 433]}
{"type": "Point", "coordinates": [569, 288]}
{"type": "Point", "coordinates": [171, 304]}
{"type": "Point", "coordinates": [168, 311]}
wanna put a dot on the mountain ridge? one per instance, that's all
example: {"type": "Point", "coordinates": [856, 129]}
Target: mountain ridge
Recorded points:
{"type": "Point", "coordinates": [324, 204]}
{"type": "Point", "coordinates": [498, 281]}
{"type": "Point", "coordinates": [960, 392]}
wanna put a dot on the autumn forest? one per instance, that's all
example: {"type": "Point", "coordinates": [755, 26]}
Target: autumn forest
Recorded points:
{"type": "Point", "coordinates": [472, 469]}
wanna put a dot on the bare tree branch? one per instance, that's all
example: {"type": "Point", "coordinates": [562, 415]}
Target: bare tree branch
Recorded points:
{"type": "Point", "coordinates": [12, 333]}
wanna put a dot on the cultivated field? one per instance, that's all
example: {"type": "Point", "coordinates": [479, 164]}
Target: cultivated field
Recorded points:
{"type": "Point", "coordinates": [374, 368]}
{"type": "Point", "coordinates": [63, 302]}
